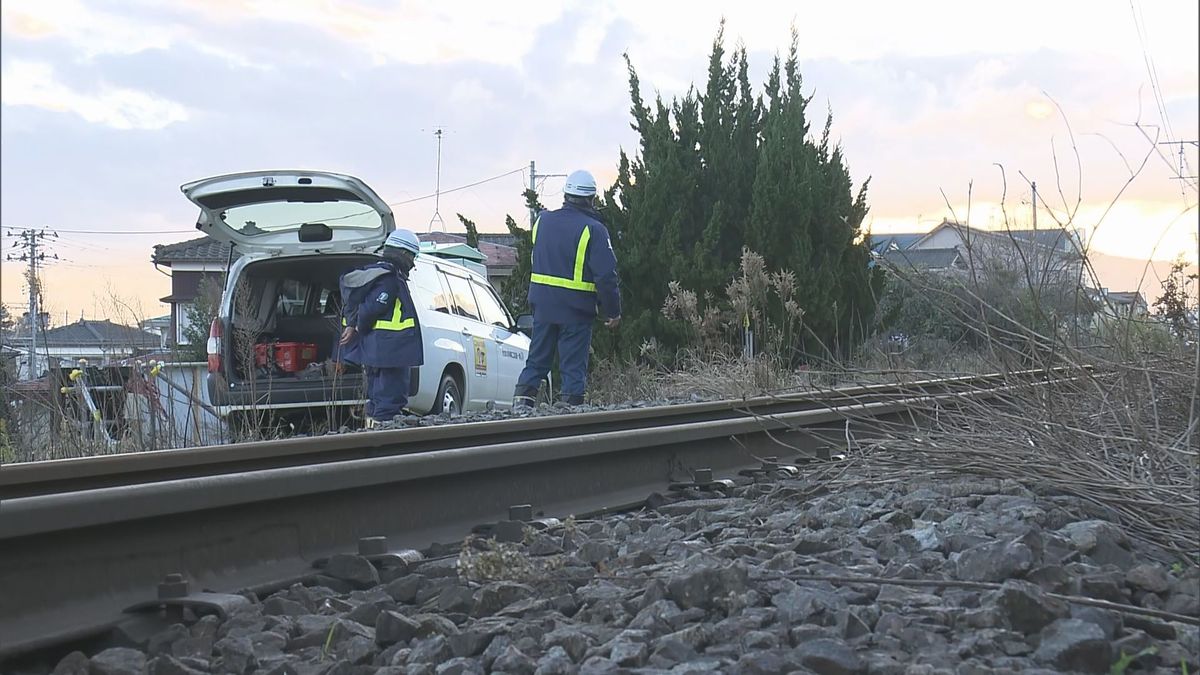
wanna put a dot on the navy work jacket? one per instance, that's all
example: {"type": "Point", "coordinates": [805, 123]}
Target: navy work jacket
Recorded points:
{"type": "Point", "coordinates": [574, 267]}
{"type": "Point", "coordinates": [377, 302]}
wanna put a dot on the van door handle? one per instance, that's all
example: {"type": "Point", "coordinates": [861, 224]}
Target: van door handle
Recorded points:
{"type": "Point", "coordinates": [465, 331]}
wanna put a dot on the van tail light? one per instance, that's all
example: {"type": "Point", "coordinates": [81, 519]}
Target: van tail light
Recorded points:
{"type": "Point", "coordinates": [215, 333]}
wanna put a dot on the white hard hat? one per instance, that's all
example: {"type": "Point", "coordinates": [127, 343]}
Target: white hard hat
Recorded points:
{"type": "Point", "coordinates": [580, 184]}
{"type": "Point", "coordinates": [404, 239]}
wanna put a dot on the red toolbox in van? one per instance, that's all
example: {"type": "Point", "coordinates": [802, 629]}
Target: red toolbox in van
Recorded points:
{"type": "Point", "coordinates": [291, 357]}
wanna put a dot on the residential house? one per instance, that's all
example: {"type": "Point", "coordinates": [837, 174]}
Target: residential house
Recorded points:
{"type": "Point", "coordinates": [191, 263]}
{"type": "Point", "coordinates": [196, 260]}
{"type": "Point", "coordinates": [925, 259]}
{"type": "Point", "coordinates": [160, 326]}
{"type": "Point", "coordinates": [1120, 304]}
{"type": "Point", "coordinates": [1050, 256]}
{"type": "Point", "coordinates": [900, 241]}
{"type": "Point", "coordinates": [96, 341]}
{"type": "Point", "coordinates": [498, 250]}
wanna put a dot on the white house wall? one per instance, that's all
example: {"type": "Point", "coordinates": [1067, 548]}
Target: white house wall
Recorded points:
{"type": "Point", "coordinates": [947, 237]}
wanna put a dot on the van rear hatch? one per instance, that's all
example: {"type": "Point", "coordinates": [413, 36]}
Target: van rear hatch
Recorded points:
{"type": "Point", "coordinates": [291, 212]}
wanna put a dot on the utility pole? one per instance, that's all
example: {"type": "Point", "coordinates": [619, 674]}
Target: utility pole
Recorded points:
{"type": "Point", "coordinates": [1034, 186]}
{"type": "Point", "coordinates": [1183, 163]}
{"type": "Point", "coordinates": [532, 188]}
{"type": "Point", "coordinates": [29, 243]}
{"type": "Point", "coordinates": [533, 178]}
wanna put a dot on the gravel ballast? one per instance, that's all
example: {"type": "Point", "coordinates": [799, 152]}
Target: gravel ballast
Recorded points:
{"type": "Point", "coordinates": [777, 576]}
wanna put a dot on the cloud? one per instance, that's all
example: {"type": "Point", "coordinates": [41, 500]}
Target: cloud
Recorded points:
{"type": "Point", "coordinates": [91, 32]}
{"type": "Point", "coordinates": [404, 33]}
{"type": "Point", "coordinates": [33, 84]}
{"type": "Point", "coordinates": [356, 86]}
{"type": "Point", "coordinates": [472, 93]}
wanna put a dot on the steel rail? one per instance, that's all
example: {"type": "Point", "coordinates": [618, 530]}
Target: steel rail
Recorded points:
{"type": "Point", "coordinates": [70, 562]}
{"type": "Point", "coordinates": [68, 475]}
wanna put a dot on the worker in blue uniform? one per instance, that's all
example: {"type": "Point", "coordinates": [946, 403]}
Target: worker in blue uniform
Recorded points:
{"type": "Point", "coordinates": [381, 331]}
{"type": "Point", "coordinates": [574, 271]}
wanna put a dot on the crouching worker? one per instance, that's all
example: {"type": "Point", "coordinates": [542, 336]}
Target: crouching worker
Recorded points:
{"type": "Point", "coordinates": [381, 329]}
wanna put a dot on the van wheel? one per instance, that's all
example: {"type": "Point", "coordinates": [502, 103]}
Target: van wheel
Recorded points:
{"type": "Point", "coordinates": [449, 397]}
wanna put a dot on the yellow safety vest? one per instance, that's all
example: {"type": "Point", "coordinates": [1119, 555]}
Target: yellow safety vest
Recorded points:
{"type": "Point", "coordinates": [576, 283]}
{"type": "Point", "coordinates": [397, 322]}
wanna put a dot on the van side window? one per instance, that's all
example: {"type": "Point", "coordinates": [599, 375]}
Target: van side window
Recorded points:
{"type": "Point", "coordinates": [489, 307]}
{"type": "Point", "coordinates": [464, 299]}
{"type": "Point", "coordinates": [442, 300]}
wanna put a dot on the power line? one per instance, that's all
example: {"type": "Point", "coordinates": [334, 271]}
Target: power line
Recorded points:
{"type": "Point", "coordinates": [399, 203]}
{"type": "Point", "coordinates": [456, 189]}
{"type": "Point", "coordinates": [428, 196]}
{"type": "Point", "coordinates": [10, 227]}
{"type": "Point", "coordinates": [1139, 21]}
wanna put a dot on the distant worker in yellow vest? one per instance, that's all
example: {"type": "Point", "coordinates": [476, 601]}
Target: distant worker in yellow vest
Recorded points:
{"type": "Point", "coordinates": [574, 271]}
{"type": "Point", "coordinates": [381, 331]}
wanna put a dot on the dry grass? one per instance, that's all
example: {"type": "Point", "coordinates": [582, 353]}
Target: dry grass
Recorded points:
{"type": "Point", "coordinates": [714, 377]}
{"type": "Point", "coordinates": [1116, 439]}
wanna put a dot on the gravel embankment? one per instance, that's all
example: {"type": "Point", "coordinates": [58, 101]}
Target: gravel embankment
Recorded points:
{"type": "Point", "coordinates": [755, 582]}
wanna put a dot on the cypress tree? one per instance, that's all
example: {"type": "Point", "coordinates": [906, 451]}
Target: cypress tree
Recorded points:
{"type": "Point", "coordinates": [805, 219]}
{"type": "Point", "coordinates": [515, 288]}
{"type": "Point", "coordinates": [719, 169]}
{"type": "Point", "coordinates": [472, 231]}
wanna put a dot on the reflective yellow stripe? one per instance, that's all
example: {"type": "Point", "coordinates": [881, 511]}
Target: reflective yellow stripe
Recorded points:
{"type": "Point", "coordinates": [395, 323]}
{"type": "Point", "coordinates": [547, 280]}
{"type": "Point", "coordinates": [580, 252]}
{"type": "Point", "coordinates": [577, 283]}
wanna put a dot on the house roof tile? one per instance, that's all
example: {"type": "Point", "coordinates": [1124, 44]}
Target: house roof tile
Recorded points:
{"type": "Point", "coordinates": [97, 333]}
{"type": "Point", "coordinates": [201, 250]}
{"type": "Point", "coordinates": [498, 255]}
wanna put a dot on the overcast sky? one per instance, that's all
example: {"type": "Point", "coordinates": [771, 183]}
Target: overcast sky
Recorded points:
{"type": "Point", "coordinates": [107, 107]}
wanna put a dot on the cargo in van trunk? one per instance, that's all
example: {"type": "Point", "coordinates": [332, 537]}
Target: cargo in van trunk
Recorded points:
{"type": "Point", "coordinates": [286, 318]}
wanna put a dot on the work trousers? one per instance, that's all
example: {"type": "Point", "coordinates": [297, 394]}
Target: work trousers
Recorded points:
{"type": "Point", "coordinates": [571, 341]}
{"type": "Point", "coordinates": [387, 391]}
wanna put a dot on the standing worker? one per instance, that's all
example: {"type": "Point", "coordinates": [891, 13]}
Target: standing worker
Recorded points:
{"type": "Point", "coordinates": [574, 269]}
{"type": "Point", "coordinates": [381, 331]}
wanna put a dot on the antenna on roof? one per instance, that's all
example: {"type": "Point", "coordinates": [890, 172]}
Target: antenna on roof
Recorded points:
{"type": "Point", "coordinates": [437, 190]}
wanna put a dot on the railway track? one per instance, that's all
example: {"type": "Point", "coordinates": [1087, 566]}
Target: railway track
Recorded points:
{"type": "Point", "coordinates": [84, 540]}
{"type": "Point", "coordinates": [60, 476]}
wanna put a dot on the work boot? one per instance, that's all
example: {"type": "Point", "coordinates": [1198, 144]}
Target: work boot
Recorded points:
{"type": "Point", "coordinates": [571, 399]}
{"type": "Point", "coordinates": [524, 397]}
{"type": "Point", "coordinates": [370, 423]}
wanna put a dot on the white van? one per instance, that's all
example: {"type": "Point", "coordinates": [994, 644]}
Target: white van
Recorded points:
{"type": "Point", "coordinates": [298, 232]}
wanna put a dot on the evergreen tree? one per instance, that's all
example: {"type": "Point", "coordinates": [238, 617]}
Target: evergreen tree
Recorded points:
{"type": "Point", "coordinates": [515, 288]}
{"type": "Point", "coordinates": [720, 170]}
{"type": "Point", "coordinates": [200, 314]}
{"type": "Point", "coordinates": [472, 231]}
